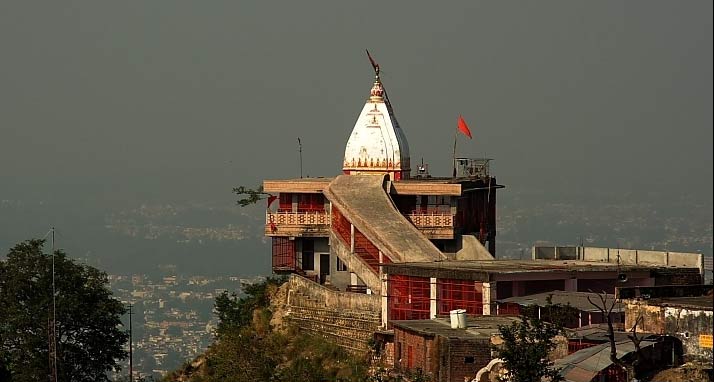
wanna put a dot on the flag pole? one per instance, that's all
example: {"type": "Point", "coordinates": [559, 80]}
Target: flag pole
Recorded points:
{"type": "Point", "coordinates": [453, 163]}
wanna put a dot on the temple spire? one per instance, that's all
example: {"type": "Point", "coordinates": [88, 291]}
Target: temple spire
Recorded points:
{"type": "Point", "coordinates": [377, 145]}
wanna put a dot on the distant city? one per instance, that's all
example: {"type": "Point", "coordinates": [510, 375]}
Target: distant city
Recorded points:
{"type": "Point", "coordinates": [172, 319]}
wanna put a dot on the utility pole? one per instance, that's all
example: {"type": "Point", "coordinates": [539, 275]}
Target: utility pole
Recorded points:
{"type": "Point", "coordinates": [52, 321]}
{"type": "Point", "coordinates": [131, 361]}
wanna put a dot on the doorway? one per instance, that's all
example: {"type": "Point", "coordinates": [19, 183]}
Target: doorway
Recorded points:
{"type": "Point", "coordinates": [324, 266]}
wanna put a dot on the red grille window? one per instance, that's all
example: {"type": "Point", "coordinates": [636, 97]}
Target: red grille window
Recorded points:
{"type": "Point", "coordinates": [408, 297]}
{"type": "Point", "coordinates": [459, 294]}
{"type": "Point", "coordinates": [311, 203]}
{"type": "Point", "coordinates": [283, 254]}
{"type": "Point", "coordinates": [286, 202]}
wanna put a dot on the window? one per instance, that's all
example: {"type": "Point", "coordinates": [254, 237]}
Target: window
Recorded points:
{"type": "Point", "coordinates": [311, 202]}
{"type": "Point", "coordinates": [408, 297]}
{"type": "Point", "coordinates": [308, 255]}
{"type": "Point", "coordinates": [283, 253]}
{"type": "Point", "coordinates": [286, 202]}
{"type": "Point", "coordinates": [459, 294]}
{"type": "Point", "coordinates": [469, 359]}
{"type": "Point", "coordinates": [341, 266]}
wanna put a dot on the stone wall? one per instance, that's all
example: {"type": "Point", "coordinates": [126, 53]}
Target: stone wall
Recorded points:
{"type": "Point", "coordinates": [346, 319]}
{"type": "Point", "coordinates": [303, 291]}
{"type": "Point", "coordinates": [652, 317]}
{"type": "Point", "coordinates": [689, 325]}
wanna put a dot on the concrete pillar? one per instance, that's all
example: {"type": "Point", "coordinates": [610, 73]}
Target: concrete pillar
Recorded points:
{"type": "Point", "coordinates": [432, 297]}
{"type": "Point", "coordinates": [385, 301]}
{"type": "Point", "coordinates": [352, 238]}
{"type": "Point", "coordinates": [489, 297]}
{"type": "Point", "coordinates": [571, 285]}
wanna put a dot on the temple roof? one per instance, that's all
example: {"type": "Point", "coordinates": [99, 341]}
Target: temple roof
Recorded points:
{"type": "Point", "coordinates": [377, 143]}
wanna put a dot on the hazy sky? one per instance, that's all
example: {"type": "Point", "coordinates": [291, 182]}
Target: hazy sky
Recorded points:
{"type": "Point", "coordinates": [185, 99]}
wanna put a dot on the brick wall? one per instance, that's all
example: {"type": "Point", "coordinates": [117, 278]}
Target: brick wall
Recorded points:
{"type": "Point", "coordinates": [346, 319]}
{"type": "Point", "coordinates": [413, 351]}
{"type": "Point", "coordinates": [350, 330]}
{"type": "Point", "coordinates": [443, 359]}
{"type": "Point", "coordinates": [461, 358]}
{"type": "Point", "coordinates": [678, 277]}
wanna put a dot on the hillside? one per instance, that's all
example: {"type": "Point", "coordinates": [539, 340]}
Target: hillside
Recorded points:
{"type": "Point", "coordinates": [254, 342]}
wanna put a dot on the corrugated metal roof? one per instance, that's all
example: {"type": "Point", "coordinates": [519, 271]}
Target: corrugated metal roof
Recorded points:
{"type": "Point", "coordinates": [583, 365]}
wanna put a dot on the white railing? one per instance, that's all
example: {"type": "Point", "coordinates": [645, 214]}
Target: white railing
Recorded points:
{"type": "Point", "coordinates": [431, 220]}
{"type": "Point", "coordinates": [298, 218]}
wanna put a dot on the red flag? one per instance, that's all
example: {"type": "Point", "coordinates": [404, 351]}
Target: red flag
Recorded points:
{"type": "Point", "coordinates": [271, 199]}
{"type": "Point", "coordinates": [461, 125]}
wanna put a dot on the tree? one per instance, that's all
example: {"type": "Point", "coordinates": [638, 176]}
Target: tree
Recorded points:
{"type": "Point", "coordinates": [605, 307]}
{"type": "Point", "coordinates": [89, 341]}
{"type": "Point", "coordinates": [236, 312]}
{"type": "Point", "coordinates": [252, 196]}
{"type": "Point", "coordinates": [527, 343]}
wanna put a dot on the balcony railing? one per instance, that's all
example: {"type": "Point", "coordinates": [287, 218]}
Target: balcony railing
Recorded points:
{"type": "Point", "coordinates": [431, 219]}
{"type": "Point", "coordinates": [297, 223]}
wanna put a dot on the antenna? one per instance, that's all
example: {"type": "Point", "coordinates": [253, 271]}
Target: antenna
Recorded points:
{"type": "Point", "coordinates": [621, 277]}
{"type": "Point", "coordinates": [52, 324]}
{"type": "Point", "coordinates": [300, 150]}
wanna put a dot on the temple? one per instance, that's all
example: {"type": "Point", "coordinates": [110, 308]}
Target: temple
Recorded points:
{"type": "Point", "coordinates": [384, 243]}
{"type": "Point", "coordinates": [341, 230]}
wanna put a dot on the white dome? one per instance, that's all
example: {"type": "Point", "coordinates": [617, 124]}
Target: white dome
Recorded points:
{"type": "Point", "coordinates": [377, 143]}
